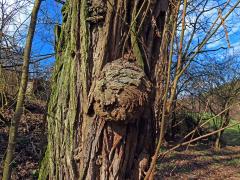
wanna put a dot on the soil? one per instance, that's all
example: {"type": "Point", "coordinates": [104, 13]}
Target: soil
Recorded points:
{"type": "Point", "coordinates": [197, 162]}
{"type": "Point", "coordinates": [201, 163]}
{"type": "Point", "coordinates": [30, 144]}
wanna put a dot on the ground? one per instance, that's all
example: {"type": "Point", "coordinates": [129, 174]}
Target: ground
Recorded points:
{"type": "Point", "coordinates": [30, 142]}
{"type": "Point", "coordinates": [199, 161]}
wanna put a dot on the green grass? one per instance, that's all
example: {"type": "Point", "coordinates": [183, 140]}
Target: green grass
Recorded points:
{"type": "Point", "coordinates": [231, 135]}
{"type": "Point", "coordinates": [233, 162]}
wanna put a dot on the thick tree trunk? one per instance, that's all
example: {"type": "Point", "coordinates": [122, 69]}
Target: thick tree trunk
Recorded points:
{"type": "Point", "coordinates": [100, 118]}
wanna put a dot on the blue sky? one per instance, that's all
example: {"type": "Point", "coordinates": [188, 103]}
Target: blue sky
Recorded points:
{"type": "Point", "coordinates": [50, 13]}
{"type": "Point", "coordinates": [17, 27]}
{"type": "Point", "coordinates": [232, 24]}
{"type": "Point", "coordinates": [233, 28]}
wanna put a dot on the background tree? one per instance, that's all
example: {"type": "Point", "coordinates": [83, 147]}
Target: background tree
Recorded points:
{"type": "Point", "coordinates": [195, 31]}
{"type": "Point", "coordinates": [14, 22]}
{"type": "Point", "coordinates": [11, 34]}
{"type": "Point", "coordinates": [218, 89]}
{"type": "Point", "coordinates": [21, 94]}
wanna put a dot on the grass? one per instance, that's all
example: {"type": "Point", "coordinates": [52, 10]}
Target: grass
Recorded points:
{"type": "Point", "coordinates": [233, 162]}
{"type": "Point", "coordinates": [231, 135]}
{"type": "Point", "coordinates": [200, 162]}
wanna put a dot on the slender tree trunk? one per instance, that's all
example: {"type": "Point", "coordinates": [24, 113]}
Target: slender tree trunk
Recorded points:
{"type": "Point", "coordinates": [21, 94]}
{"type": "Point", "coordinates": [100, 118]}
{"type": "Point", "coordinates": [225, 122]}
{"type": "Point", "coordinates": [217, 141]}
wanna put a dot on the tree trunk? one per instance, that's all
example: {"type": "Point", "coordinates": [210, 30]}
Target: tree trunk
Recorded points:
{"type": "Point", "coordinates": [225, 122]}
{"type": "Point", "coordinates": [217, 144]}
{"type": "Point", "coordinates": [21, 94]}
{"type": "Point", "coordinates": [101, 123]}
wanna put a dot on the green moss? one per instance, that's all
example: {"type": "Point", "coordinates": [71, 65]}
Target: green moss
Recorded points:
{"type": "Point", "coordinates": [84, 35]}
{"type": "Point", "coordinates": [61, 111]}
{"type": "Point", "coordinates": [43, 172]}
{"type": "Point", "coordinates": [134, 39]}
{"type": "Point", "coordinates": [65, 10]}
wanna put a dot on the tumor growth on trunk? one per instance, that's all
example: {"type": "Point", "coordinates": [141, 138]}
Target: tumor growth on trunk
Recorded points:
{"type": "Point", "coordinates": [122, 92]}
{"type": "Point", "coordinates": [120, 109]}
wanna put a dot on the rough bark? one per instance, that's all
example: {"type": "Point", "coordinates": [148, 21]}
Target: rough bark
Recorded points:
{"type": "Point", "coordinates": [21, 94]}
{"type": "Point", "coordinates": [120, 110]}
{"type": "Point", "coordinates": [100, 122]}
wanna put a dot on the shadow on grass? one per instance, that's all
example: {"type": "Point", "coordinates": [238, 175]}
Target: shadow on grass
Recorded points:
{"type": "Point", "coordinates": [232, 136]}
{"type": "Point", "coordinates": [188, 162]}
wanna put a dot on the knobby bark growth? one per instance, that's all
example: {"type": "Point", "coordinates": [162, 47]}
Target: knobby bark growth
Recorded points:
{"type": "Point", "coordinates": [21, 94]}
{"type": "Point", "coordinates": [101, 120]}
